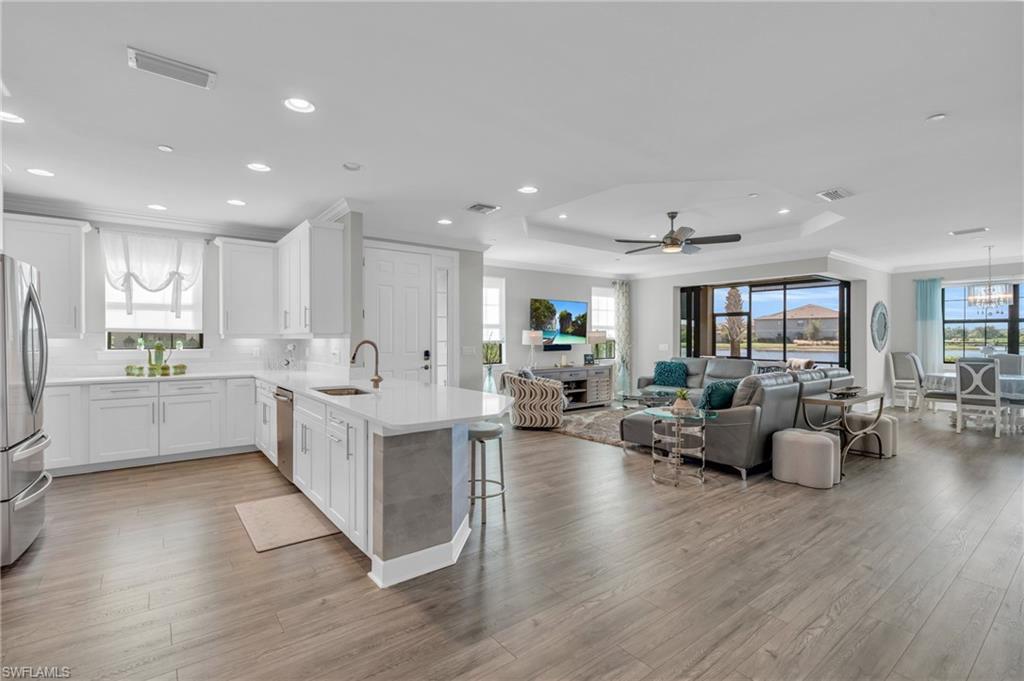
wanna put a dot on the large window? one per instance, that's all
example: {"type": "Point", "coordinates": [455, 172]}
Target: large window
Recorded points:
{"type": "Point", "coordinates": [494, 321]}
{"type": "Point", "coordinates": [158, 297]}
{"type": "Point", "coordinates": [602, 318]}
{"type": "Point", "coordinates": [778, 321]}
{"type": "Point", "coordinates": [968, 331]}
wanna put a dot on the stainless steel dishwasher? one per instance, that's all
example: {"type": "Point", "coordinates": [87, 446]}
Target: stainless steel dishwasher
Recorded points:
{"type": "Point", "coordinates": [285, 406]}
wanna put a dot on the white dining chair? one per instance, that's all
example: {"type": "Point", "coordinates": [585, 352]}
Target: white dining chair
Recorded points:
{"type": "Point", "coordinates": [977, 391]}
{"type": "Point", "coordinates": [906, 377]}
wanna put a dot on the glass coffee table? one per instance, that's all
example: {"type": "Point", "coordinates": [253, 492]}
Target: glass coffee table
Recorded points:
{"type": "Point", "coordinates": [647, 399]}
{"type": "Point", "coordinates": [683, 433]}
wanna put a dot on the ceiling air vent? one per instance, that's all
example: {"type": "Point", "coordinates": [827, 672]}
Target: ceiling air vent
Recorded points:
{"type": "Point", "coordinates": [834, 194]}
{"type": "Point", "coordinates": [170, 68]}
{"type": "Point", "coordinates": [482, 208]}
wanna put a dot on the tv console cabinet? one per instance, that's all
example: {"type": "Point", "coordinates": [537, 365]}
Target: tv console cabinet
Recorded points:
{"type": "Point", "coordinates": [585, 386]}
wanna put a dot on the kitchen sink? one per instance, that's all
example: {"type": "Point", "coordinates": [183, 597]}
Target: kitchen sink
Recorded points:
{"type": "Point", "coordinates": [342, 391]}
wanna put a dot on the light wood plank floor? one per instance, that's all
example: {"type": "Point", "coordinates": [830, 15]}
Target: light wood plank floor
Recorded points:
{"type": "Point", "coordinates": [910, 570]}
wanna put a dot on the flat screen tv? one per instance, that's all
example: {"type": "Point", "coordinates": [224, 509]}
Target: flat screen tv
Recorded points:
{"type": "Point", "coordinates": [562, 322]}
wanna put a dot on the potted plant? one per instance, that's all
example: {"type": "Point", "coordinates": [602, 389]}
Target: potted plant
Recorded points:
{"type": "Point", "coordinates": [682, 403]}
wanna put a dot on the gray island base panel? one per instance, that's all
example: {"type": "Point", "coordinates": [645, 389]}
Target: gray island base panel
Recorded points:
{"type": "Point", "coordinates": [420, 502]}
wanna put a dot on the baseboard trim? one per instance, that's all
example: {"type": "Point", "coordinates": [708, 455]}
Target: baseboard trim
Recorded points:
{"type": "Point", "coordinates": [385, 573]}
{"type": "Point", "coordinates": [149, 461]}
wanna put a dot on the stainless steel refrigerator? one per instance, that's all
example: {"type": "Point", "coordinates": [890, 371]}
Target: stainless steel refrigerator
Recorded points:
{"type": "Point", "coordinates": [23, 347]}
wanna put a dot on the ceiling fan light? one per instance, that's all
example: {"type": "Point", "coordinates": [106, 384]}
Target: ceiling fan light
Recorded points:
{"type": "Point", "coordinates": [671, 248]}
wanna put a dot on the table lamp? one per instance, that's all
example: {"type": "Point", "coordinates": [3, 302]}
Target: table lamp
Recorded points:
{"type": "Point", "coordinates": [533, 339]}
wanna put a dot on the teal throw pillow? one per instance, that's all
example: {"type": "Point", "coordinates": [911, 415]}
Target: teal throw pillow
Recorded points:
{"type": "Point", "coordinates": [670, 373]}
{"type": "Point", "coordinates": [718, 394]}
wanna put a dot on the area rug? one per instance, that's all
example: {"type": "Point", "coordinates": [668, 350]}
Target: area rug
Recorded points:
{"type": "Point", "coordinates": [597, 425]}
{"type": "Point", "coordinates": [281, 521]}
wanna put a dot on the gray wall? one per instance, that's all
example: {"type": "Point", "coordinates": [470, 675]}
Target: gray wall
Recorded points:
{"type": "Point", "coordinates": [471, 303]}
{"type": "Point", "coordinates": [520, 287]}
{"type": "Point", "coordinates": [656, 309]}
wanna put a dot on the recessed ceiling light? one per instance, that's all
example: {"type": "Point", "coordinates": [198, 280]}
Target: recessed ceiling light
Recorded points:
{"type": "Point", "coordinates": [156, 206]}
{"type": "Point", "coordinates": [783, 211]}
{"type": "Point", "coordinates": [8, 117]}
{"type": "Point", "coordinates": [563, 216]}
{"type": "Point", "coordinates": [299, 105]}
{"type": "Point", "coordinates": [236, 202]}
{"type": "Point", "coordinates": [753, 195]}
{"type": "Point", "coordinates": [40, 172]}
{"type": "Point", "coordinates": [652, 236]}
{"type": "Point", "coordinates": [166, 148]}
{"type": "Point", "coordinates": [936, 117]}
{"type": "Point", "coordinates": [352, 166]}
{"type": "Point", "coordinates": [444, 221]}
{"type": "Point", "coordinates": [527, 190]}
{"type": "Point", "coordinates": [258, 167]}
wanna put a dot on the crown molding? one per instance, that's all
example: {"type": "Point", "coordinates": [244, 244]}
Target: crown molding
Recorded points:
{"type": "Point", "coordinates": [962, 264]}
{"type": "Point", "coordinates": [334, 212]}
{"type": "Point", "coordinates": [31, 205]}
{"type": "Point", "coordinates": [860, 261]}
{"type": "Point", "coordinates": [557, 269]}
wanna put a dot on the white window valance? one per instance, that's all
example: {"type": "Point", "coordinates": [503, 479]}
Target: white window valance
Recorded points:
{"type": "Point", "coordinates": [153, 263]}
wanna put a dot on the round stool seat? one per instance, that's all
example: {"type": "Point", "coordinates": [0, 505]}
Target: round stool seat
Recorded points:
{"type": "Point", "coordinates": [485, 430]}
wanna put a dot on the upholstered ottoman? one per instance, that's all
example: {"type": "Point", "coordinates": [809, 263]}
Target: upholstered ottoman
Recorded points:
{"type": "Point", "coordinates": [888, 429]}
{"type": "Point", "coordinates": [808, 458]}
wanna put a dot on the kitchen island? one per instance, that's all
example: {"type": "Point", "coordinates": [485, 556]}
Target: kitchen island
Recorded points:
{"type": "Point", "coordinates": [389, 467]}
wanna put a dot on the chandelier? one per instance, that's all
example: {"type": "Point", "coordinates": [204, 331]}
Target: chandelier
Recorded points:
{"type": "Point", "coordinates": [989, 297]}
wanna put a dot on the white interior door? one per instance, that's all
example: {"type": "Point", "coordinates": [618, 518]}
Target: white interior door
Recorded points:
{"type": "Point", "coordinates": [396, 290]}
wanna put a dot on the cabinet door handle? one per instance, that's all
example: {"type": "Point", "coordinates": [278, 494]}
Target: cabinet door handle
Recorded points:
{"type": "Point", "coordinates": [348, 442]}
{"type": "Point", "coordinates": [305, 316]}
{"type": "Point", "coordinates": [333, 439]}
{"type": "Point", "coordinates": [164, 412]}
{"type": "Point", "coordinates": [74, 309]}
{"type": "Point", "coordinates": [286, 319]}
{"type": "Point", "coordinates": [153, 410]}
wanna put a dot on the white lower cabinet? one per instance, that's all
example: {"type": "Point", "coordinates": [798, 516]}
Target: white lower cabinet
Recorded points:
{"type": "Point", "coordinates": [189, 423]}
{"type": "Point", "coordinates": [311, 458]}
{"type": "Point", "coordinates": [266, 421]}
{"type": "Point", "coordinates": [239, 417]}
{"type": "Point", "coordinates": [65, 423]}
{"type": "Point", "coordinates": [346, 493]}
{"type": "Point", "coordinates": [121, 429]}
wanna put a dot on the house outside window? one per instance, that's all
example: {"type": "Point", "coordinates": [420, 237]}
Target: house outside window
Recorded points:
{"type": "Point", "coordinates": [494, 337]}
{"type": "Point", "coordinates": [602, 318]}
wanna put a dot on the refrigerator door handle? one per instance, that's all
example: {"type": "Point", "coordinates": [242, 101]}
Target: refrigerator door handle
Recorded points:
{"type": "Point", "coordinates": [35, 496]}
{"type": "Point", "coordinates": [44, 346]}
{"type": "Point", "coordinates": [39, 444]}
{"type": "Point", "coordinates": [26, 356]}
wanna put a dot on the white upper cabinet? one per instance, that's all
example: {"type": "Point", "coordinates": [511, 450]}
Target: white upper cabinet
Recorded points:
{"type": "Point", "coordinates": [248, 288]}
{"type": "Point", "coordinates": [55, 247]}
{"type": "Point", "coordinates": [312, 287]}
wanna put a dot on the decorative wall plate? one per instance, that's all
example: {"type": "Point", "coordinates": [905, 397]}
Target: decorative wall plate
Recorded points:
{"type": "Point", "coordinates": [879, 325]}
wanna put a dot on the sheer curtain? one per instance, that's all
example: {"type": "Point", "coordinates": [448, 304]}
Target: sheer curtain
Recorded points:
{"type": "Point", "coordinates": [623, 333]}
{"type": "Point", "coordinates": [154, 264]}
{"type": "Point", "coordinates": [929, 323]}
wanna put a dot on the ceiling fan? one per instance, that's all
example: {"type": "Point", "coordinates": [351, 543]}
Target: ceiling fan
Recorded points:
{"type": "Point", "coordinates": [679, 240]}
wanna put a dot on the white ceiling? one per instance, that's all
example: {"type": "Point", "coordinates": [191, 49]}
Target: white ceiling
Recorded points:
{"type": "Point", "coordinates": [618, 112]}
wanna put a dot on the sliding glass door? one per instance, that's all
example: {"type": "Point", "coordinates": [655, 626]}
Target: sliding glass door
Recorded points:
{"type": "Point", "coordinates": [689, 322]}
{"type": "Point", "coordinates": [778, 321]}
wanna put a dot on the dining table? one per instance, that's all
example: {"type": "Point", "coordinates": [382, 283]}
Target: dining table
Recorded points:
{"type": "Point", "coordinates": [1010, 385]}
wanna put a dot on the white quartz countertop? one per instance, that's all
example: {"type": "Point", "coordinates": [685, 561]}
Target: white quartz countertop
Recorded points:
{"type": "Point", "coordinates": [399, 406]}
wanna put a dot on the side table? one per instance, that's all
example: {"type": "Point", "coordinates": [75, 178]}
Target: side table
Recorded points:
{"type": "Point", "coordinates": [684, 435]}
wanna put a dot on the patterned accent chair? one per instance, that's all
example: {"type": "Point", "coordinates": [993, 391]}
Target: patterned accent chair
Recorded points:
{"type": "Point", "coordinates": [538, 401]}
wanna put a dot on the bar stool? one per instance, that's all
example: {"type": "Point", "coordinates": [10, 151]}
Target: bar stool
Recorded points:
{"type": "Point", "coordinates": [479, 433]}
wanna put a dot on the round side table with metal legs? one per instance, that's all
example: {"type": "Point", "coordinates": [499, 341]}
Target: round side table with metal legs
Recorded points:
{"type": "Point", "coordinates": [479, 434]}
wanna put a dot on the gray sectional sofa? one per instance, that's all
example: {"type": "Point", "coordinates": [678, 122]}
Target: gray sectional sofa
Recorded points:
{"type": "Point", "coordinates": [741, 436]}
{"type": "Point", "coordinates": [699, 372]}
